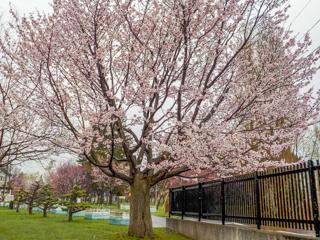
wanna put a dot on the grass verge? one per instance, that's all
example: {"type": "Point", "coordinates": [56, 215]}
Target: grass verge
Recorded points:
{"type": "Point", "coordinates": [21, 226]}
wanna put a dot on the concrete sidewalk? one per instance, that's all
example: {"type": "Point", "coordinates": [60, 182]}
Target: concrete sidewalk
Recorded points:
{"type": "Point", "coordinates": [158, 222]}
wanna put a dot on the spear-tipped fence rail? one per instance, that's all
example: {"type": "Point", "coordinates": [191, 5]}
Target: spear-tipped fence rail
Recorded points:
{"type": "Point", "coordinates": [286, 197]}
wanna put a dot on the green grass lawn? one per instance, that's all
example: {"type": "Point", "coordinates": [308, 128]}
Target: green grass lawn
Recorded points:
{"type": "Point", "coordinates": [21, 226]}
{"type": "Point", "coordinates": [161, 212]}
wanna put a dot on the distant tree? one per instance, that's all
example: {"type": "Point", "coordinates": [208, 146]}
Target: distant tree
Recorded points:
{"type": "Point", "coordinates": [308, 144]}
{"type": "Point", "coordinates": [68, 175]}
{"type": "Point", "coordinates": [17, 182]}
{"type": "Point", "coordinates": [32, 195]}
{"type": "Point", "coordinates": [14, 184]}
{"type": "Point", "coordinates": [46, 199]}
{"type": "Point", "coordinates": [20, 197]}
{"type": "Point", "coordinates": [71, 203]}
{"type": "Point", "coordinates": [104, 185]}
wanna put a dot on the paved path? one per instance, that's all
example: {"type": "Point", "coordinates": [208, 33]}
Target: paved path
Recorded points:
{"type": "Point", "coordinates": [158, 222]}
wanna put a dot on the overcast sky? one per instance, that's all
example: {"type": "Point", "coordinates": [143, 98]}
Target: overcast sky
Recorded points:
{"type": "Point", "coordinates": [301, 25]}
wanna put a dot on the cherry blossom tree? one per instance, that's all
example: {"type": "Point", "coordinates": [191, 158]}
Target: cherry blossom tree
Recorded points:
{"type": "Point", "coordinates": [178, 84]}
{"type": "Point", "coordinates": [68, 175]}
{"type": "Point", "coordinates": [18, 182]}
{"type": "Point", "coordinates": [20, 138]}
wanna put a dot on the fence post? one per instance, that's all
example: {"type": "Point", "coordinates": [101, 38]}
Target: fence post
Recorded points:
{"type": "Point", "coordinates": [170, 202]}
{"type": "Point", "coordinates": [314, 200]}
{"type": "Point", "coordinates": [223, 205]}
{"type": "Point", "coordinates": [183, 201]}
{"type": "Point", "coordinates": [200, 195]}
{"type": "Point", "coordinates": [258, 208]}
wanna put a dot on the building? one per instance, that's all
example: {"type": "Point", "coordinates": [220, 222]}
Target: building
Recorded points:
{"type": "Point", "coordinates": [4, 182]}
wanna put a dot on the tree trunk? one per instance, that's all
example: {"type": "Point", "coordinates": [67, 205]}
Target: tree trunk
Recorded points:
{"type": "Point", "coordinates": [30, 209]}
{"type": "Point", "coordinates": [158, 201]}
{"type": "Point", "coordinates": [17, 206]}
{"type": "Point", "coordinates": [11, 205]}
{"type": "Point", "coordinates": [100, 195]}
{"type": "Point", "coordinates": [95, 198]}
{"type": "Point", "coordinates": [45, 214]}
{"type": "Point", "coordinates": [110, 198]}
{"type": "Point", "coordinates": [118, 201]}
{"type": "Point", "coordinates": [166, 203]}
{"type": "Point", "coordinates": [156, 195]}
{"type": "Point", "coordinates": [140, 216]}
{"type": "Point", "coordinates": [69, 216]}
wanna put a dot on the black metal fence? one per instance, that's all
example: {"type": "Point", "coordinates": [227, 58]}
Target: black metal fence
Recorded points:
{"type": "Point", "coordinates": [286, 197]}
